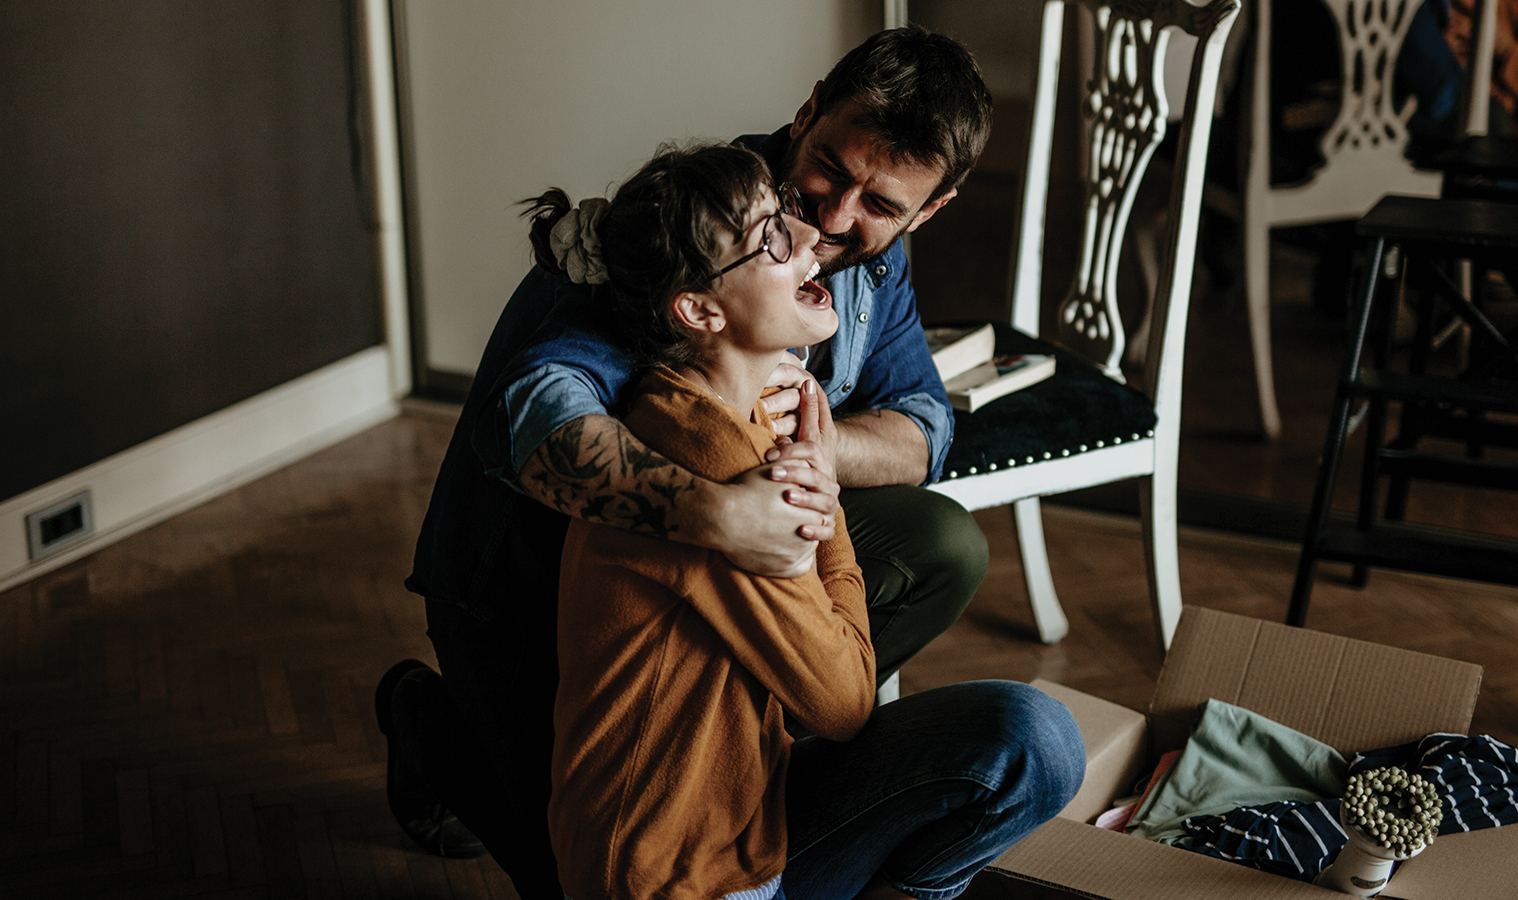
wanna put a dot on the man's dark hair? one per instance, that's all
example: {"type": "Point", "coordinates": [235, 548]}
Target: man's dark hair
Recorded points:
{"type": "Point", "coordinates": [921, 93]}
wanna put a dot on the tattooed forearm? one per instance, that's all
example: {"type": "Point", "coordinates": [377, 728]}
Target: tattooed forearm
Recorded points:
{"type": "Point", "coordinates": [594, 469]}
{"type": "Point", "coordinates": [637, 458]}
{"type": "Point", "coordinates": [564, 449]}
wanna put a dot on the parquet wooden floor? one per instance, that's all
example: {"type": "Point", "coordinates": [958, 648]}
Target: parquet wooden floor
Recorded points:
{"type": "Point", "coordinates": [188, 713]}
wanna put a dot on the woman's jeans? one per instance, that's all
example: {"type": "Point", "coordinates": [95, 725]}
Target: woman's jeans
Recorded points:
{"type": "Point", "coordinates": [937, 785]}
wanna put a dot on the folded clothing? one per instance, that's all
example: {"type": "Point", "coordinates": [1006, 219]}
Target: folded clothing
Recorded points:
{"type": "Point", "coordinates": [1235, 758]}
{"type": "Point", "coordinates": [1476, 777]}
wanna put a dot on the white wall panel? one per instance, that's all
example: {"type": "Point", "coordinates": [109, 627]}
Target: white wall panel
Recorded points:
{"type": "Point", "coordinates": [508, 98]}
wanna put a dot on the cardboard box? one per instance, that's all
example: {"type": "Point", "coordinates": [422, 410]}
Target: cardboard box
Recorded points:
{"type": "Point", "coordinates": [1350, 694]}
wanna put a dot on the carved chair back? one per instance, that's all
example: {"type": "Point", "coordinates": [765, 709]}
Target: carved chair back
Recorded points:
{"type": "Point", "coordinates": [1127, 116]}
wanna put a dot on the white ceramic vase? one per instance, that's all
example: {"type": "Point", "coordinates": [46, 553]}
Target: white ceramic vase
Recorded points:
{"type": "Point", "coordinates": [1362, 867]}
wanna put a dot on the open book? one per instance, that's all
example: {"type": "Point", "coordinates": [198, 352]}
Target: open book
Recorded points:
{"type": "Point", "coordinates": [996, 378]}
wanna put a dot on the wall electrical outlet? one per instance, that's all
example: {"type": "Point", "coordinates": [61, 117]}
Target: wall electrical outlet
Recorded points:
{"type": "Point", "coordinates": [61, 525]}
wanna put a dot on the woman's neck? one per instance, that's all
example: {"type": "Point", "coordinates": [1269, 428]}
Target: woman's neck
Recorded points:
{"type": "Point", "coordinates": [736, 378]}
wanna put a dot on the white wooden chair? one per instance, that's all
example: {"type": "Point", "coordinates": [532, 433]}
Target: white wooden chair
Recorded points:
{"type": "Point", "coordinates": [1362, 149]}
{"type": "Point", "coordinates": [1084, 426]}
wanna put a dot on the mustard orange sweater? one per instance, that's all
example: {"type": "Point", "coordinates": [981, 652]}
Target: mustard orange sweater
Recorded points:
{"type": "Point", "coordinates": [674, 668]}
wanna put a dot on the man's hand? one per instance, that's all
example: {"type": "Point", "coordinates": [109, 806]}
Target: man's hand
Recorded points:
{"type": "Point", "coordinates": [754, 523]}
{"type": "Point", "coordinates": [803, 469]}
{"type": "Point", "coordinates": [782, 405]}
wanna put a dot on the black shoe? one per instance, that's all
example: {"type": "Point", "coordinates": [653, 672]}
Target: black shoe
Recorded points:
{"type": "Point", "coordinates": [416, 808]}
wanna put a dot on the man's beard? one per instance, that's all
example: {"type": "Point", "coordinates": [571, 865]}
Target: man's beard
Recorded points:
{"type": "Point", "coordinates": [853, 251]}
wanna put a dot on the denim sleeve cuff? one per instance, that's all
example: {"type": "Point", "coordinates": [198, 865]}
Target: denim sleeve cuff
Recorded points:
{"type": "Point", "coordinates": [936, 422]}
{"type": "Point", "coordinates": [534, 407]}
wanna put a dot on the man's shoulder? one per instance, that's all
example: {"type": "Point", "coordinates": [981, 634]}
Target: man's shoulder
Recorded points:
{"type": "Point", "coordinates": [541, 291]}
{"type": "Point", "coordinates": [550, 319]}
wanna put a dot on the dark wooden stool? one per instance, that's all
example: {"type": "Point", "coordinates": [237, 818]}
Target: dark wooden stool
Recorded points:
{"type": "Point", "coordinates": [1427, 233]}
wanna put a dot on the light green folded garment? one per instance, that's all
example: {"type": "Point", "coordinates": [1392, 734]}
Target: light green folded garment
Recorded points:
{"type": "Point", "coordinates": [1237, 758]}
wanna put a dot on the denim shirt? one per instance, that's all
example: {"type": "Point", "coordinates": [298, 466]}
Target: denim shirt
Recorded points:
{"type": "Point", "coordinates": [552, 359]}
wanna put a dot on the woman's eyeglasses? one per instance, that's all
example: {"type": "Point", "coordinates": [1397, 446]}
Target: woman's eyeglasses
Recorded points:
{"type": "Point", "coordinates": [776, 238]}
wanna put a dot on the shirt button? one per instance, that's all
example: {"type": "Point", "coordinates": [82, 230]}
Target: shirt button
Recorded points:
{"type": "Point", "coordinates": [864, 317]}
{"type": "Point", "coordinates": [881, 270]}
{"type": "Point", "coordinates": [848, 385]}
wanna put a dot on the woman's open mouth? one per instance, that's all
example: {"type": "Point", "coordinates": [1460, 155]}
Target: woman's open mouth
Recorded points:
{"type": "Point", "coordinates": [811, 294]}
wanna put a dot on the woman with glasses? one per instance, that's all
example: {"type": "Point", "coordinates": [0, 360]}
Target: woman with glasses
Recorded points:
{"type": "Point", "coordinates": [673, 771]}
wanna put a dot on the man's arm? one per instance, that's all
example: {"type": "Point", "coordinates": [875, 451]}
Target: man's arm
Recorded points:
{"type": "Point", "coordinates": [880, 446]}
{"type": "Point", "coordinates": [767, 522]}
{"type": "Point", "coordinates": [894, 428]}
{"type": "Point", "coordinates": [545, 429]}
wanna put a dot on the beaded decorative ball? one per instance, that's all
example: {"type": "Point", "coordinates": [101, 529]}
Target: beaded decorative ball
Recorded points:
{"type": "Point", "coordinates": [1394, 808]}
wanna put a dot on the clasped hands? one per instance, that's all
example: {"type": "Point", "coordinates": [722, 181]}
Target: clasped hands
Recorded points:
{"type": "Point", "coordinates": [776, 532]}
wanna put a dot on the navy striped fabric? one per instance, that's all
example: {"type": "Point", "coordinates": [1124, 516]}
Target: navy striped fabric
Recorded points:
{"type": "Point", "coordinates": [1477, 778]}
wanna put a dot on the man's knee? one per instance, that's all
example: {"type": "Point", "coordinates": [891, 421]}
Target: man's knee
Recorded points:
{"type": "Point", "coordinates": [933, 540]}
{"type": "Point", "coordinates": [954, 549]}
{"type": "Point", "coordinates": [947, 559]}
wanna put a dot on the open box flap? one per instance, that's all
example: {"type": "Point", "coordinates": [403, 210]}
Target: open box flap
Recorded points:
{"type": "Point", "coordinates": [1116, 739]}
{"type": "Point", "coordinates": [1351, 694]}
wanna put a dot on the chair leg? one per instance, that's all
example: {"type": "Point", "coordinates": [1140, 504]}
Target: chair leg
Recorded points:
{"type": "Point", "coordinates": [1048, 616]}
{"type": "Point", "coordinates": [1257, 294]}
{"type": "Point", "coordinates": [1157, 511]}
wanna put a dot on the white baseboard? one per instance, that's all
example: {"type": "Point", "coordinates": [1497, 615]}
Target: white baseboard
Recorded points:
{"type": "Point", "coordinates": [171, 473]}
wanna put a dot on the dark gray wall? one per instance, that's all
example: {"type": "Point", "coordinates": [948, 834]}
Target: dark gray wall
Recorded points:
{"type": "Point", "coordinates": [182, 221]}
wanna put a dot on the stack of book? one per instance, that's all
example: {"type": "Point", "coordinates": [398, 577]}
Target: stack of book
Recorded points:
{"type": "Point", "coordinates": [973, 374]}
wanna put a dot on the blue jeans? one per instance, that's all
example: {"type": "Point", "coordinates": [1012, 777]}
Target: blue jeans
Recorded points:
{"type": "Point", "coordinates": [936, 786]}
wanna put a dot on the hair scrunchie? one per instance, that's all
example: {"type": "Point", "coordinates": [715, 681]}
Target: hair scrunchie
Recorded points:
{"type": "Point", "coordinates": [576, 244]}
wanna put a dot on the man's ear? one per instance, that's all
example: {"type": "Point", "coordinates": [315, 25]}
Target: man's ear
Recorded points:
{"type": "Point", "coordinates": [699, 312]}
{"type": "Point", "coordinates": [929, 209]}
{"type": "Point", "coordinates": [806, 113]}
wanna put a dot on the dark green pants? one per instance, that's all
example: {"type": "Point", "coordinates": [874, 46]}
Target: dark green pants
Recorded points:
{"type": "Point", "coordinates": [923, 556]}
